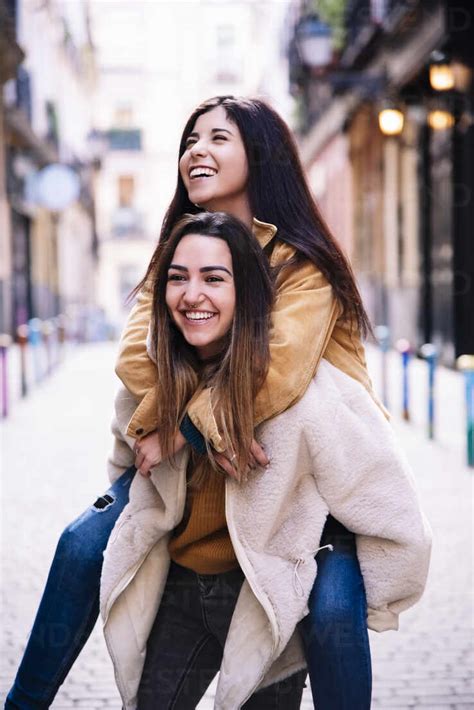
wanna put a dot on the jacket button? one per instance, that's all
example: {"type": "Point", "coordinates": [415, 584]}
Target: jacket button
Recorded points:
{"type": "Point", "coordinates": [139, 431]}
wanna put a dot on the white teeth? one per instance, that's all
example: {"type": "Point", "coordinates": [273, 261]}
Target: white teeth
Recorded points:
{"type": "Point", "coordinates": [202, 172]}
{"type": "Point", "coordinates": [193, 315]}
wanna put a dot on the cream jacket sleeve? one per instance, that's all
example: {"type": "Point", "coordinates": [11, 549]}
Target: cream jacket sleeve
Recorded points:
{"type": "Point", "coordinates": [302, 322]}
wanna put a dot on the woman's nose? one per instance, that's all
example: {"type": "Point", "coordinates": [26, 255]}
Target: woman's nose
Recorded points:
{"type": "Point", "coordinates": [193, 295]}
{"type": "Point", "coordinates": [199, 148]}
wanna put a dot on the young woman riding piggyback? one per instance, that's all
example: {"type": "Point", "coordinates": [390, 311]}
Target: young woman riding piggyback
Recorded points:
{"type": "Point", "coordinates": [237, 156]}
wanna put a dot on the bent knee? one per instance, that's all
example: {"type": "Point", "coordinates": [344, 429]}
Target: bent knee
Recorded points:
{"type": "Point", "coordinates": [81, 545]}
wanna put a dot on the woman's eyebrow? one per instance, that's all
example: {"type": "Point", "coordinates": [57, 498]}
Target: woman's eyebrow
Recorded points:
{"type": "Point", "coordinates": [203, 270]}
{"type": "Point", "coordinates": [214, 268]}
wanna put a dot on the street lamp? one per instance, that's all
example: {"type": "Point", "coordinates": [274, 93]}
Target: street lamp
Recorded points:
{"type": "Point", "coordinates": [441, 72]}
{"type": "Point", "coordinates": [313, 41]}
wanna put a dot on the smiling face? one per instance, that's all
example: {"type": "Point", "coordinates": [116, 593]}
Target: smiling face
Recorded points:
{"type": "Point", "coordinates": [214, 166]}
{"type": "Point", "coordinates": [200, 292]}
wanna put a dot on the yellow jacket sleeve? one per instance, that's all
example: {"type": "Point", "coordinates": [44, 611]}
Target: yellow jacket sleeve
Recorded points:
{"type": "Point", "coordinates": [135, 368]}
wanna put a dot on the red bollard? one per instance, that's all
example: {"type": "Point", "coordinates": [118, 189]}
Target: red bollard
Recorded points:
{"type": "Point", "coordinates": [5, 342]}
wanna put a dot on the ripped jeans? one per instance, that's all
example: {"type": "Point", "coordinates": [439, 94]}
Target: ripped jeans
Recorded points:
{"type": "Point", "coordinates": [70, 604]}
{"type": "Point", "coordinates": [335, 630]}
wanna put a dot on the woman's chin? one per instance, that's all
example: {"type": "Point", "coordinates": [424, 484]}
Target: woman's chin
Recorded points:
{"type": "Point", "coordinates": [201, 198]}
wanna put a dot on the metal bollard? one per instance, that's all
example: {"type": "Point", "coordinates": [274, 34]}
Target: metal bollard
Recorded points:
{"type": "Point", "coordinates": [5, 342]}
{"type": "Point", "coordinates": [429, 353]}
{"type": "Point", "coordinates": [22, 338]}
{"type": "Point", "coordinates": [382, 333]}
{"type": "Point", "coordinates": [404, 348]}
{"type": "Point", "coordinates": [466, 364]}
{"type": "Point", "coordinates": [34, 336]}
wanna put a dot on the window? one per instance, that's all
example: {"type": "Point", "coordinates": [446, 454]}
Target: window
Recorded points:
{"type": "Point", "coordinates": [123, 116]}
{"type": "Point", "coordinates": [126, 190]}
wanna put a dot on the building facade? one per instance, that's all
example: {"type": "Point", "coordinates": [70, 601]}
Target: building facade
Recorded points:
{"type": "Point", "coordinates": [51, 250]}
{"type": "Point", "coordinates": [412, 206]}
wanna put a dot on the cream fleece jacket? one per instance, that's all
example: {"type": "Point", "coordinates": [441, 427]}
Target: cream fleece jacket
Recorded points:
{"type": "Point", "coordinates": [333, 451]}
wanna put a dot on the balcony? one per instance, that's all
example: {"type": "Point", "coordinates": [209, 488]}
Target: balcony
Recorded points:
{"type": "Point", "coordinates": [366, 20]}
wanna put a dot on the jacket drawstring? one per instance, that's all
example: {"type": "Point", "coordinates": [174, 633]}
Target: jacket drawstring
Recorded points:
{"type": "Point", "coordinates": [297, 583]}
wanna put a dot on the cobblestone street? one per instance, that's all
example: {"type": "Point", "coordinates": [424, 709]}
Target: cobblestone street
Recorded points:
{"type": "Point", "coordinates": [53, 466]}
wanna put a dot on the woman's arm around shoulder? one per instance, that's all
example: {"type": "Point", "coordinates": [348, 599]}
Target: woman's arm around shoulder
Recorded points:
{"type": "Point", "coordinates": [135, 368]}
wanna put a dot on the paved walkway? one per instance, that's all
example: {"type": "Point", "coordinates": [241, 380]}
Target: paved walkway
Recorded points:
{"type": "Point", "coordinates": [55, 443]}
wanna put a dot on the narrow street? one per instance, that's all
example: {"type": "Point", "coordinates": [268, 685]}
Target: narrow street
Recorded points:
{"type": "Point", "coordinates": [54, 448]}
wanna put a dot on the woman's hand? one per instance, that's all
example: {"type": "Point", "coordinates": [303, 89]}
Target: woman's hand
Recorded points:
{"type": "Point", "coordinates": [258, 457]}
{"type": "Point", "coordinates": [148, 451]}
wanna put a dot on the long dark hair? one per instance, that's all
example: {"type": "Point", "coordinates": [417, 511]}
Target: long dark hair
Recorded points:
{"type": "Point", "coordinates": [278, 193]}
{"type": "Point", "coordinates": [239, 372]}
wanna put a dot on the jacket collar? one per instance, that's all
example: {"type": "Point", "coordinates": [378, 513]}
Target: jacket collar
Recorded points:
{"type": "Point", "coordinates": [264, 231]}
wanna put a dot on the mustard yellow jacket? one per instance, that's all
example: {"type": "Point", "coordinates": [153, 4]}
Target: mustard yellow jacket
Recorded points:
{"type": "Point", "coordinates": [306, 325]}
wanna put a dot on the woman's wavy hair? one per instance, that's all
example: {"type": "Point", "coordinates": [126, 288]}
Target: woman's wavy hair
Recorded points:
{"type": "Point", "coordinates": [278, 192]}
{"type": "Point", "coordinates": [240, 370]}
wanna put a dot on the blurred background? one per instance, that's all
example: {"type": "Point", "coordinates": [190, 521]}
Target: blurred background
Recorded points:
{"type": "Point", "coordinates": [94, 94]}
{"type": "Point", "coordinates": [93, 98]}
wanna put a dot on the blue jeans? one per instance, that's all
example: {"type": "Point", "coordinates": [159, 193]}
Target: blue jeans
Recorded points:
{"type": "Point", "coordinates": [70, 604]}
{"type": "Point", "coordinates": [335, 631]}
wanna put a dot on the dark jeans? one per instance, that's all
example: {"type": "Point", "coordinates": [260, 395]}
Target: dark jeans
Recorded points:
{"type": "Point", "coordinates": [186, 644]}
{"type": "Point", "coordinates": [70, 606]}
{"type": "Point", "coordinates": [335, 630]}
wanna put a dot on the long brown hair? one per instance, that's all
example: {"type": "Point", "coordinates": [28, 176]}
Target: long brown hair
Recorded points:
{"type": "Point", "coordinates": [239, 372]}
{"type": "Point", "coordinates": [278, 193]}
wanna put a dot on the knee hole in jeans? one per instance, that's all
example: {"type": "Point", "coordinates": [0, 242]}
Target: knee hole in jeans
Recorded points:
{"type": "Point", "coordinates": [104, 502]}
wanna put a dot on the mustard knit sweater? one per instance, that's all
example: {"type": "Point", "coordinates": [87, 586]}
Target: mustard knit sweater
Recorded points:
{"type": "Point", "coordinates": [201, 542]}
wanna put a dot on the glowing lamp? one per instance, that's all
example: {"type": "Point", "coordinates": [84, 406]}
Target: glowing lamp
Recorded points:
{"type": "Point", "coordinates": [440, 120]}
{"type": "Point", "coordinates": [391, 121]}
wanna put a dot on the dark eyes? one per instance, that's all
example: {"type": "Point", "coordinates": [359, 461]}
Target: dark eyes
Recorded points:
{"type": "Point", "coordinates": [208, 279]}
